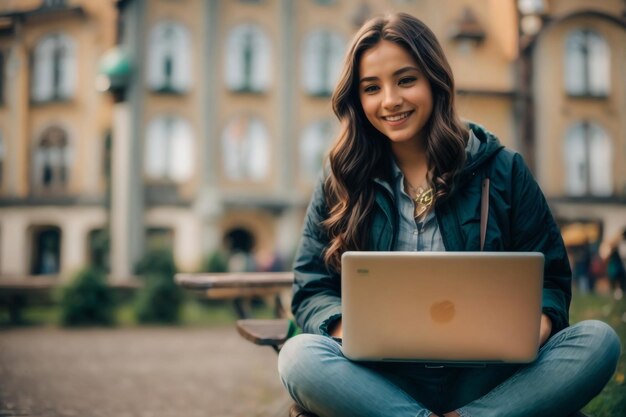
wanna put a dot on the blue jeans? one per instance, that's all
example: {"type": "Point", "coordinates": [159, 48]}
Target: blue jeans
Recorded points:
{"type": "Point", "coordinates": [572, 367]}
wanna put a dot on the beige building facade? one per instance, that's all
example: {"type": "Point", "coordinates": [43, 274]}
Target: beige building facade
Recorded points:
{"type": "Point", "coordinates": [226, 116]}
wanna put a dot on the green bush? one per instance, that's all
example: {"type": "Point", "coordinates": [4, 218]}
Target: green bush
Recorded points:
{"type": "Point", "coordinates": [87, 300]}
{"type": "Point", "coordinates": [159, 300]}
{"type": "Point", "coordinates": [215, 262]}
{"type": "Point", "coordinates": [157, 261]}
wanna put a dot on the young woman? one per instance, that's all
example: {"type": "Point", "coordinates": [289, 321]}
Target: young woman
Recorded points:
{"type": "Point", "coordinates": [405, 174]}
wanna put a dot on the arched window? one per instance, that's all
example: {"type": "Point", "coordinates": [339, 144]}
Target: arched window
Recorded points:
{"type": "Point", "coordinates": [248, 59]}
{"type": "Point", "coordinates": [245, 147]}
{"type": "Point", "coordinates": [52, 160]}
{"type": "Point", "coordinates": [587, 64]}
{"type": "Point", "coordinates": [321, 64]}
{"type": "Point", "coordinates": [169, 58]}
{"type": "Point", "coordinates": [54, 68]}
{"type": "Point", "coordinates": [169, 149]}
{"type": "Point", "coordinates": [314, 144]}
{"type": "Point", "coordinates": [588, 161]}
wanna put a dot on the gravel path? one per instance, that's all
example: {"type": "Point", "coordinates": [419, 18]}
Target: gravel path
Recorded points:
{"type": "Point", "coordinates": [144, 372]}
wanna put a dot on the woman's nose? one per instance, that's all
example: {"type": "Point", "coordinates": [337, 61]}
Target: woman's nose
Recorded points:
{"type": "Point", "coordinates": [392, 99]}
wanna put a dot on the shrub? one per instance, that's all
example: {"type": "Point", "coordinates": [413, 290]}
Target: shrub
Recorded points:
{"type": "Point", "coordinates": [215, 262]}
{"type": "Point", "coordinates": [159, 300]}
{"type": "Point", "coordinates": [87, 300]}
{"type": "Point", "coordinates": [157, 261]}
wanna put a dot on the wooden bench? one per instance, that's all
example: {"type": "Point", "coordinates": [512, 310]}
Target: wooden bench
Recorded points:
{"type": "Point", "coordinates": [15, 293]}
{"type": "Point", "coordinates": [241, 286]}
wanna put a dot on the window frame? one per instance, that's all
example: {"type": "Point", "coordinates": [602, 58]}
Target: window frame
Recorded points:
{"type": "Point", "coordinates": [260, 146]}
{"type": "Point", "coordinates": [588, 157]}
{"type": "Point", "coordinates": [259, 75]}
{"type": "Point", "coordinates": [42, 159]}
{"type": "Point", "coordinates": [592, 70]}
{"type": "Point", "coordinates": [165, 171]}
{"type": "Point", "coordinates": [180, 52]}
{"type": "Point", "coordinates": [48, 82]}
{"type": "Point", "coordinates": [313, 82]}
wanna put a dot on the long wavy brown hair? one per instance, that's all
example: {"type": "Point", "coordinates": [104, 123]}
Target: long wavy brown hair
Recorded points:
{"type": "Point", "coordinates": [361, 153]}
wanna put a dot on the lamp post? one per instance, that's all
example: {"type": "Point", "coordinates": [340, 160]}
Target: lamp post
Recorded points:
{"type": "Point", "coordinates": [530, 13]}
{"type": "Point", "coordinates": [118, 77]}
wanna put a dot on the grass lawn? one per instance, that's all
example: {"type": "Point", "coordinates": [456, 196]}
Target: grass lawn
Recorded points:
{"type": "Point", "coordinates": [612, 400]}
{"type": "Point", "coordinates": [194, 312]}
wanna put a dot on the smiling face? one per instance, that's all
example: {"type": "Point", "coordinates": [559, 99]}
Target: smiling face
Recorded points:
{"type": "Point", "coordinates": [396, 97]}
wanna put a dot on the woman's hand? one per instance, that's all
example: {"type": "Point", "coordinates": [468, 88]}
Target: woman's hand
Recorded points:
{"type": "Point", "coordinates": [545, 329]}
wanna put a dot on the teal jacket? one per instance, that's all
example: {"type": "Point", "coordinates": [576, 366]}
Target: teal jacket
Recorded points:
{"type": "Point", "coordinates": [519, 220]}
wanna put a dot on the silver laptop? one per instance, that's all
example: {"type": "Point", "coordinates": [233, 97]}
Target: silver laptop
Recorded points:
{"type": "Point", "coordinates": [442, 307]}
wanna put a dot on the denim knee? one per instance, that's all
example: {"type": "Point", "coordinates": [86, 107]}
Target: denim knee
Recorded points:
{"type": "Point", "coordinates": [603, 338]}
{"type": "Point", "coordinates": [300, 358]}
{"type": "Point", "coordinates": [601, 343]}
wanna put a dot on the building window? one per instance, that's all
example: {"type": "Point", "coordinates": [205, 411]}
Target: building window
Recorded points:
{"type": "Point", "coordinates": [54, 69]}
{"type": "Point", "coordinates": [588, 161]}
{"type": "Point", "coordinates": [587, 64]}
{"type": "Point", "coordinates": [169, 58]}
{"type": "Point", "coordinates": [248, 58]}
{"type": "Point", "coordinates": [245, 147]}
{"type": "Point", "coordinates": [323, 55]}
{"type": "Point", "coordinates": [46, 250]}
{"type": "Point", "coordinates": [314, 144]}
{"type": "Point", "coordinates": [169, 150]}
{"type": "Point", "coordinates": [52, 161]}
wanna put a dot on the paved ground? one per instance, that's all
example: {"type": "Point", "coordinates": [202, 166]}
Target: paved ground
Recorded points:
{"type": "Point", "coordinates": [146, 372]}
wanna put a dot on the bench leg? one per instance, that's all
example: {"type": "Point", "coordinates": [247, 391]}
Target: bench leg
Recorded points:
{"type": "Point", "coordinates": [242, 308]}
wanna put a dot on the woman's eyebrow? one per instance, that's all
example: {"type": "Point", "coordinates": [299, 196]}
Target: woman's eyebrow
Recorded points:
{"type": "Point", "coordinates": [395, 73]}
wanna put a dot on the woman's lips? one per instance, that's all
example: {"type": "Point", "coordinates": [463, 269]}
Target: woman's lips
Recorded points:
{"type": "Point", "coordinates": [398, 118]}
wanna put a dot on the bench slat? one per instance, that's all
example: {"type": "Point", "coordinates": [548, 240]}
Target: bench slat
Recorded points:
{"type": "Point", "coordinates": [235, 280]}
{"type": "Point", "coordinates": [265, 332]}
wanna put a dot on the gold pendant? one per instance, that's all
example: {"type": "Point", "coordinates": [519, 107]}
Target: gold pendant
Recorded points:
{"type": "Point", "coordinates": [423, 200]}
{"type": "Point", "coordinates": [425, 197]}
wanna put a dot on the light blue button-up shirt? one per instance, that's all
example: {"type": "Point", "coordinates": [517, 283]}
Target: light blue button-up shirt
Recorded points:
{"type": "Point", "coordinates": [420, 235]}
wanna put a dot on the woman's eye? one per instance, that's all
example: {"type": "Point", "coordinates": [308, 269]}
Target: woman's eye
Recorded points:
{"type": "Point", "coordinates": [407, 80]}
{"type": "Point", "coordinates": [370, 89]}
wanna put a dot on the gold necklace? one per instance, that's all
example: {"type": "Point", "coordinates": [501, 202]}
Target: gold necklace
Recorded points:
{"type": "Point", "coordinates": [423, 198]}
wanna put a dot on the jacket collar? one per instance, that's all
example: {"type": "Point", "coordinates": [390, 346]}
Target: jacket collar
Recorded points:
{"type": "Point", "coordinates": [489, 145]}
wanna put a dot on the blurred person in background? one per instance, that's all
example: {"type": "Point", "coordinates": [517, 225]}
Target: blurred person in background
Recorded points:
{"type": "Point", "coordinates": [615, 271]}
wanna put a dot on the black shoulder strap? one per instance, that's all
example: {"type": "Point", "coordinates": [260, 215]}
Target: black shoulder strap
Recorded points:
{"type": "Point", "coordinates": [484, 211]}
